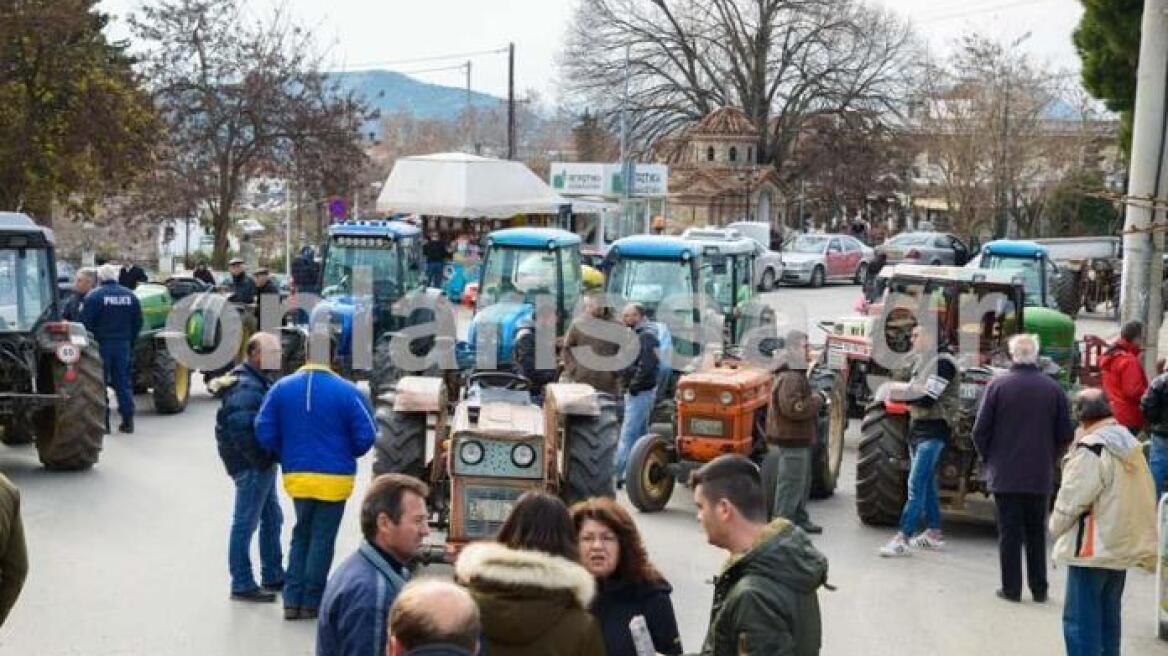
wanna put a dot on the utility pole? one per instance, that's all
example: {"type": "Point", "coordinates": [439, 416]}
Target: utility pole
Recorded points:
{"type": "Point", "coordinates": [470, 119]}
{"type": "Point", "coordinates": [511, 100]}
{"type": "Point", "coordinates": [287, 228]}
{"type": "Point", "coordinates": [1143, 236]}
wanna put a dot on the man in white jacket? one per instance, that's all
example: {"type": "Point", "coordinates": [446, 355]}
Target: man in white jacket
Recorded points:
{"type": "Point", "coordinates": [1104, 522]}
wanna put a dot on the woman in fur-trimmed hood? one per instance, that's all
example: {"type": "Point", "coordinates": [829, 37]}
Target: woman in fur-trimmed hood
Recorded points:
{"type": "Point", "coordinates": [532, 595]}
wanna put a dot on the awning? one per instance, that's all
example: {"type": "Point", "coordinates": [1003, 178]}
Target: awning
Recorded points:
{"type": "Point", "coordinates": [466, 186]}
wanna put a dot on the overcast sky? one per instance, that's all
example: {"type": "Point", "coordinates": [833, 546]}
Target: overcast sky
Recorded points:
{"type": "Point", "coordinates": [363, 33]}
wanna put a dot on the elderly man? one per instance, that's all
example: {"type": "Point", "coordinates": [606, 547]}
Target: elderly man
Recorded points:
{"type": "Point", "coordinates": [253, 470]}
{"type": "Point", "coordinates": [1103, 523]}
{"type": "Point", "coordinates": [241, 285]}
{"type": "Point", "coordinates": [114, 316]}
{"type": "Point", "coordinates": [83, 283]}
{"type": "Point", "coordinates": [434, 618]}
{"type": "Point", "coordinates": [1022, 427]}
{"type": "Point", "coordinates": [359, 594]}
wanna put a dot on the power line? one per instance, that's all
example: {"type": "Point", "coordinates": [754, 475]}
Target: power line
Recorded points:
{"type": "Point", "coordinates": [985, 9]}
{"type": "Point", "coordinates": [459, 67]}
{"type": "Point", "coordinates": [418, 60]}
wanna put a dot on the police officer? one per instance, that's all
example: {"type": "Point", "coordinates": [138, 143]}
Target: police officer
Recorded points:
{"type": "Point", "coordinates": [114, 316]}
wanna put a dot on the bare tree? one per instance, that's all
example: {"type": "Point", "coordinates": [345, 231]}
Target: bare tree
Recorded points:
{"type": "Point", "coordinates": [781, 61]}
{"type": "Point", "coordinates": [241, 97]}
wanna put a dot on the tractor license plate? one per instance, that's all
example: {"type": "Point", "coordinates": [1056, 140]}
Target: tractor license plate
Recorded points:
{"type": "Point", "coordinates": [710, 427]}
{"type": "Point", "coordinates": [489, 510]}
{"type": "Point", "coordinates": [969, 391]}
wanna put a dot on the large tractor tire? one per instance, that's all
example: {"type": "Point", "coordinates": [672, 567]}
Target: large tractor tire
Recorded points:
{"type": "Point", "coordinates": [1065, 289]}
{"type": "Point", "coordinates": [171, 382]}
{"type": "Point", "coordinates": [385, 373]}
{"type": "Point", "coordinates": [881, 472]}
{"type": "Point", "coordinates": [830, 427]}
{"type": "Point", "coordinates": [71, 432]}
{"type": "Point", "coordinates": [648, 480]}
{"type": "Point", "coordinates": [591, 453]}
{"type": "Point", "coordinates": [293, 351]}
{"type": "Point", "coordinates": [400, 447]}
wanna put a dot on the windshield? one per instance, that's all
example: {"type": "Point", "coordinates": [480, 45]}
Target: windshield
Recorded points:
{"type": "Point", "coordinates": [515, 274]}
{"type": "Point", "coordinates": [807, 244]}
{"type": "Point", "coordinates": [346, 256]}
{"type": "Point", "coordinates": [975, 320]}
{"type": "Point", "coordinates": [718, 278]}
{"type": "Point", "coordinates": [26, 288]}
{"type": "Point", "coordinates": [1029, 269]}
{"type": "Point", "coordinates": [649, 282]}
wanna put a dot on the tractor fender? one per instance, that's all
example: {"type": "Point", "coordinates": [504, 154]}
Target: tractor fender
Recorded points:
{"type": "Point", "coordinates": [572, 399]}
{"type": "Point", "coordinates": [896, 407]}
{"type": "Point", "coordinates": [418, 394]}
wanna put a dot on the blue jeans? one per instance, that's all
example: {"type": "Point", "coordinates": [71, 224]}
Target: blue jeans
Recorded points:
{"type": "Point", "coordinates": [434, 273]}
{"type": "Point", "coordinates": [638, 408]}
{"type": "Point", "coordinates": [1158, 462]}
{"type": "Point", "coordinates": [923, 496]}
{"type": "Point", "coordinates": [311, 555]}
{"type": "Point", "coordinates": [1091, 612]}
{"type": "Point", "coordinates": [256, 505]}
{"type": "Point", "coordinates": [115, 360]}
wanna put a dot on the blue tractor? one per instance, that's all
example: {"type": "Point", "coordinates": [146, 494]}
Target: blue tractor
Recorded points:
{"type": "Point", "coordinates": [390, 253]}
{"type": "Point", "coordinates": [1047, 285]}
{"type": "Point", "coordinates": [520, 266]}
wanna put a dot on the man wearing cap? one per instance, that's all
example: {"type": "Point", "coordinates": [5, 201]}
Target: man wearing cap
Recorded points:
{"type": "Point", "coordinates": [242, 287]}
{"type": "Point", "coordinates": [114, 316]}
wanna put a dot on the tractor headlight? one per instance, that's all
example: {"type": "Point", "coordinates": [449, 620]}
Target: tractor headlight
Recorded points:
{"type": "Point", "coordinates": [471, 452]}
{"type": "Point", "coordinates": [522, 455]}
{"type": "Point", "coordinates": [726, 398]}
{"type": "Point", "coordinates": [688, 394]}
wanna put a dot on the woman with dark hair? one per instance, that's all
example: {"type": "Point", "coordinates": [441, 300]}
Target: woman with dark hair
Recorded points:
{"type": "Point", "coordinates": [612, 550]}
{"type": "Point", "coordinates": [532, 594]}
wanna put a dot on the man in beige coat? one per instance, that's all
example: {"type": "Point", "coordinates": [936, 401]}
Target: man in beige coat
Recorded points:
{"type": "Point", "coordinates": [1104, 522]}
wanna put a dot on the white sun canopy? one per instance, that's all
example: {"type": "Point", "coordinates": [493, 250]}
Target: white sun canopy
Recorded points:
{"type": "Point", "coordinates": [465, 186]}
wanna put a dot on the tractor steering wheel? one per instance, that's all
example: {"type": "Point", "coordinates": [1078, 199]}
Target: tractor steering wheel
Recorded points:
{"type": "Point", "coordinates": [503, 379]}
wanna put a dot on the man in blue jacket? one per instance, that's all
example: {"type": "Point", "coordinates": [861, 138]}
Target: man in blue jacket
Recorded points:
{"type": "Point", "coordinates": [114, 316]}
{"type": "Point", "coordinates": [317, 424]}
{"type": "Point", "coordinates": [253, 470]}
{"type": "Point", "coordinates": [357, 599]}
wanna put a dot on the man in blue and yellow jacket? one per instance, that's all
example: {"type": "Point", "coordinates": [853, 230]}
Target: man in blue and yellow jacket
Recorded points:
{"type": "Point", "coordinates": [317, 424]}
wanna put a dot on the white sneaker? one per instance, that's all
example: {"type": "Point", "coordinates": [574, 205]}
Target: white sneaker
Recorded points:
{"type": "Point", "coordinates": [926, 541]}
{"type": "Point", "coordinates": [895, 548]}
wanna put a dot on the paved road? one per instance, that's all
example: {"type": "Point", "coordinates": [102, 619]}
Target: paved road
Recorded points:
{"type": "Point", "coordinates": [130, 559]}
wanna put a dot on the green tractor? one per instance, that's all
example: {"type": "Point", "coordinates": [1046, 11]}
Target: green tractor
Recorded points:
{"type": "Point", "coordinates": [52, 388]}
{"type": "Point", "coordinates": [155, 369]}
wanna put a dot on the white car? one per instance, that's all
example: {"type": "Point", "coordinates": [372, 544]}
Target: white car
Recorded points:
{"type": "Point", "coordinates": [816, 259]}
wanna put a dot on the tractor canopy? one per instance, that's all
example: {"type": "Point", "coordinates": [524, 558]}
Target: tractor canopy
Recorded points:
{"type": "Point", "coordinates": [1027, 259]}
{"type": "Point", "coordinates": [520, 266]}
{"type": "Point", "coordinates": [28, 281]}
{"type": "Point", "coordinates": [649, 269]}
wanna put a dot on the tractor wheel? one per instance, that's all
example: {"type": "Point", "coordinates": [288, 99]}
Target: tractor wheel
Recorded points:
{"type": "Point", "coordinates": [385, 373]}
{"type": "Point", "coordinates": [881, 479]}
{"type": "Point", "coordinates": [401, 443]}
{"type": "Point", "coordinates": [1066, 293]}
{"type": "Point", "coordinates": [71, 432]}
{"type": "Point", "coordinates": [768, 280]}
{"type": "Point", "coordinates": [818, 277]}
{"type": "Point", "coordinates": [830, 428]}
{"type": "Point", "coordinates": [171, 382]}
{"type": "Point", "coordinates": [591, 453]}
{"type": "Point", "coordinates": [648, 479]}
{"type": "Point", "coordinates": [294, 351]}
{"type": "Point", "coordinates": [861, 273]}
{"type": "Point", "coordinates": [19, 430]}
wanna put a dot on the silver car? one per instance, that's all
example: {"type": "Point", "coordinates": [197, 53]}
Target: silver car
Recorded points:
{"type": "Point", "coordinates": [816, 259]}
{"type": "Point", "coordinates": [925, 248]}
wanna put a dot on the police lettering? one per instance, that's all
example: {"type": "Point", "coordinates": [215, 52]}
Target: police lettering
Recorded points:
{"type": "Point", "coordinates": [118, 300]}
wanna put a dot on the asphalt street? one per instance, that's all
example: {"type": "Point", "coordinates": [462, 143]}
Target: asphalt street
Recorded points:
{"type": "Point", "coordinates": [130, 558]}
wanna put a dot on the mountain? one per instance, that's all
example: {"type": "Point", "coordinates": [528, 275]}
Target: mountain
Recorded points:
{"type": "Point", "coordinates": [393, 92]}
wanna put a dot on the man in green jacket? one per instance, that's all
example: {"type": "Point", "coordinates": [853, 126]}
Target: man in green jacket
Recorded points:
{"type": "Point", "coordinates": [765, 601]}
{"type": "Point", "coordinates": [13, 556]}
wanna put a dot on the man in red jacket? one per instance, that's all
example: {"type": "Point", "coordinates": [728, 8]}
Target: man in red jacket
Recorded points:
{"type": "Point", "coordinates": [1124, 380]}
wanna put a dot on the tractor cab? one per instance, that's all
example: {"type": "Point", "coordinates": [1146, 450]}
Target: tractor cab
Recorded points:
{"type": "Point", "coordinates": [522, 266]}
{"type": "Point", "coordinates": [1047, 285]}
{"type": "Point", "coordinates": [663, 274]}
{"type": "Point", "coordinates": [727, 275]}
{"type": "Point", "coordinates": [368, 266]}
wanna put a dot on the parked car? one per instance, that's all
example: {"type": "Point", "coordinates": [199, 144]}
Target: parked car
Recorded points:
{"type": "Point", "coordinates": [768, 265]}
{"type": "Point", "coordinates": [816, 259]}
{"type": "Point", "coordinates": [925, 248]}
